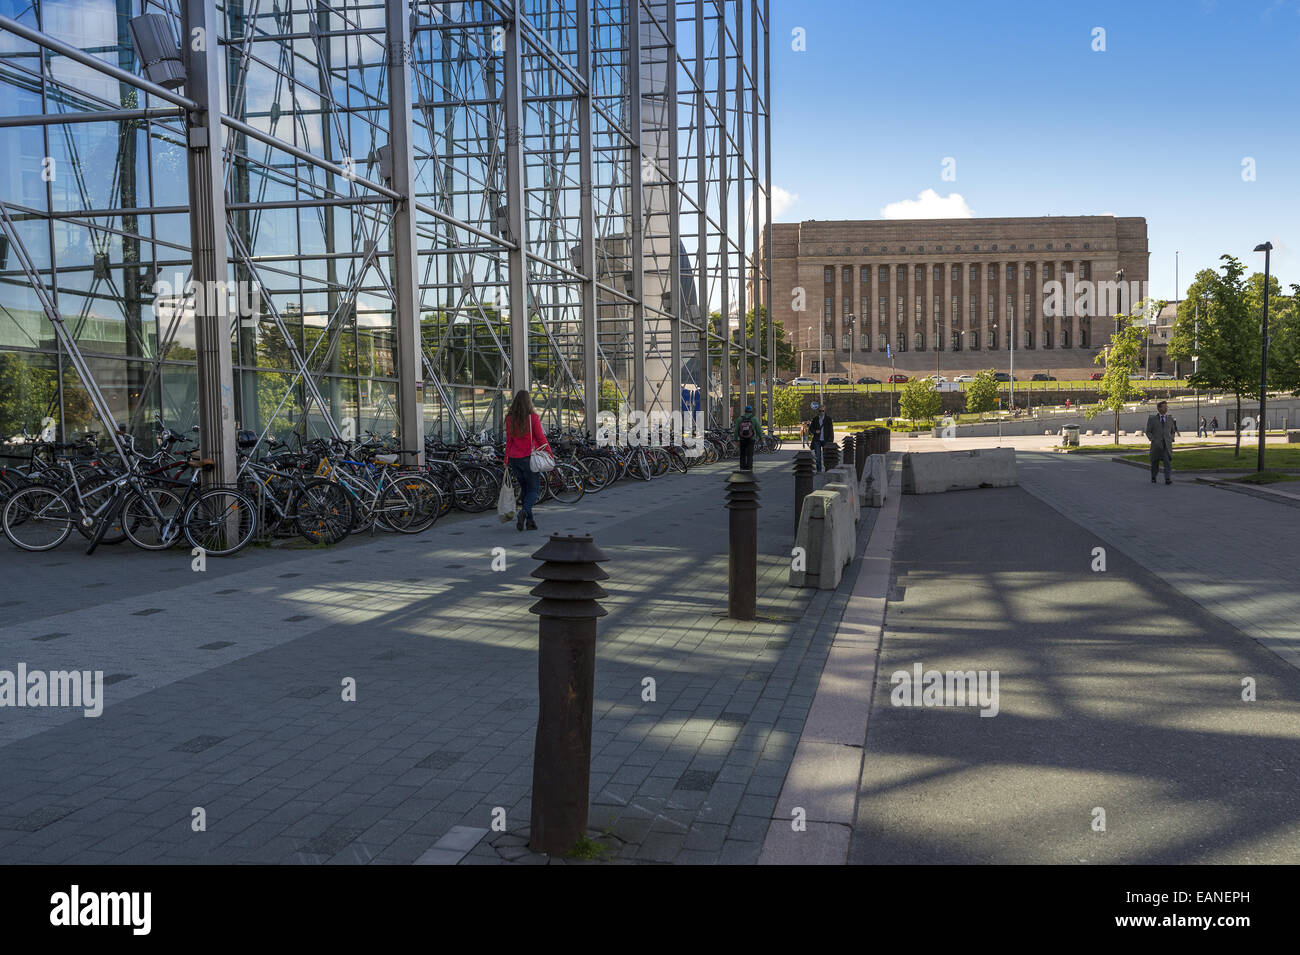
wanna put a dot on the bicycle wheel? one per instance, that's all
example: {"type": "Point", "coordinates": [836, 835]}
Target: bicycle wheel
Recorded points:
{"type": "Point", "coordinates": [410, 504]}
{"type": "Point", "coordinates": [659, 461]}
{"type": "Point", "coordinates": [564, 482]}
{"type": "Point", "coordinates": [154, 527]}
{"type": "Point", "coordinates": [37, 518]}
{"type": "Point", "coordinates": [476, 489]}
{"type": "Point", "coordinates": [96, 491]}
{"type": "Point", "coordinates": [324, 514]}
{"type": "Point", "coordinates": [220, 522]}
{"type": "Point", "coordinates": [594, 473]}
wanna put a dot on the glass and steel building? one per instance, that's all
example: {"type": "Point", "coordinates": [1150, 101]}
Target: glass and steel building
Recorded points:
{"type": "Point", "coordinates": [378, 215]}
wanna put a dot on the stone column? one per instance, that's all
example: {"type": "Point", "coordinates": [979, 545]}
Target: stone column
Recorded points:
{"type": "Point", "coordinates": [950, 317]}
{"type": "Point", "coordinates": [928, 319]}
{"type": "Point", "coordinates": [892, 304]}
{"type": "Point", "coordinates": [1022, 317]}
{"type": "Point", "coordinates": [875, 306]}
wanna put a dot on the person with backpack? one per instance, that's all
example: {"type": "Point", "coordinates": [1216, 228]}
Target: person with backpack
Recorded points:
{"type": "Point", "coordinates": [746, 431]}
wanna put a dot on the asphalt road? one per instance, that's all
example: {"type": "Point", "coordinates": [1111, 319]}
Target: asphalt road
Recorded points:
{"type": "Point", "coordinates": [1116, 693]}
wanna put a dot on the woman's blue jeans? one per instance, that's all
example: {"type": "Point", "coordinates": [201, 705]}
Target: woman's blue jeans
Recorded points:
{"type": "Point", "coordinates": [530, 483]}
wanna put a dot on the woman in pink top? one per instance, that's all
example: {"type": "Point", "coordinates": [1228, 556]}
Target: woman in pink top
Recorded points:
{"type": "Point", "coordinates": [524, 435]}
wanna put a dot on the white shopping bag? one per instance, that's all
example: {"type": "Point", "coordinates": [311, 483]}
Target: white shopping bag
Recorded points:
{"type": "Point", "coordinates": [506, 502]}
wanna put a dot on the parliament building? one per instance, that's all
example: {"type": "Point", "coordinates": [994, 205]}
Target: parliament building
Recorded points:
{"type": "Point", "coordinates": [871, 297]}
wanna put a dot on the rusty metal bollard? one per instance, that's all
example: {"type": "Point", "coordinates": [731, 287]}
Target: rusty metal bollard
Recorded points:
{"type": "Point", "coordinates": [566, 671]}
{"type": "Point", "coordinates": [860, 447]}
{"type": "Point", "coordinates": [850, 456]}
{"type": "Point", "coordinates": [830, 456]}
{"type": "Point", "coordinates": [803, 483]}
{"type": "Point", "coordinates": [742, 552]}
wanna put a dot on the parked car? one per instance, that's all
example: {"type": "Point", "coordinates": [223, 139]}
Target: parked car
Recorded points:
{"type": "Point", "coordinates": [1162, 376]}
{"type": "Point", "coordinates": [1003, 376]}
{"type": "Point", "coordinates": [964, 378]}
{"type": "Point", "coordinates": [778, 382]}
{"type": "Point", "coordinates": [802, 382]}
{"type": "Point", "coordinates": [897, 379]}
{"type": "Point", "coordinates": [868, 381]}
{"type": "Point", "coordinates": [1041, 377]}
{"type": "Point", "coordinates": [837, 381]}
{"type": "Point", "coordinates": [1137, 377]}
{"type": "Point", "coordinates": [1097, 376]}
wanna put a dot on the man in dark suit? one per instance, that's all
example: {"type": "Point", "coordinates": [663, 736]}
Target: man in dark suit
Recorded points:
{"type": "Point", "coordinates": [821, 431]}
{"type": "Point", "coordinates": [1161, 431]}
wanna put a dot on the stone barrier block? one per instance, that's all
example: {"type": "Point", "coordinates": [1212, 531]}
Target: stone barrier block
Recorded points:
{"type": "Point", "coordinates": [937, 471]}
{"type": "Point", "coordinates": [820, 535]}
{"type": "Point", "coordinates": [875, 480]}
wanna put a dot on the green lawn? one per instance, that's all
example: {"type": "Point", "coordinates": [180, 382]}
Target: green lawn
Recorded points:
{"type": "Point", "coordinates": [1266, 477]}
{"type": "Point", "coordinates": [1022, 386]}
{"type": "Point", "coordinates": [1221, 458]}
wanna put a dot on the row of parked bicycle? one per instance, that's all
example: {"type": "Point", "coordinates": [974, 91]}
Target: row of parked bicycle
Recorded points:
{"type": "Point", "coordinates": [321, 489]}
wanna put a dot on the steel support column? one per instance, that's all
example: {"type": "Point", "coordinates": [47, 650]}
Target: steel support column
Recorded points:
{"type": "Point", "coordinates": [587, 226]}
{"type": "Point", "coordinates": [516, 200]}
{"type": "Point", "coordinates": [637, 210]}
{"type": "Point", "coordinates": [675, 290]}
{"type": "Point", "coordinates": [742, 298]}
{"type": "Point", "coordinates": [724, 236]}
{"type": "Point", "coordinates": [405, 262]}
{"type": "Point", "coordinates": [212, 329]}
{"type": "Point", "coordinates": [767, 188]}
{"type": "Point", "coordinates": [705, 383]}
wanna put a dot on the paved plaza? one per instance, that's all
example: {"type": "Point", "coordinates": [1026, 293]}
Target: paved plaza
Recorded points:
{"type": "Point", "coordinates": [225, 690]}
{"type": "Point", "coordinates": [1120, 690]}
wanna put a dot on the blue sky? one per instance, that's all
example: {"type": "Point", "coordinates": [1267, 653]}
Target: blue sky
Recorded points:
{"type": "Point", "coordinates": [1157, 125]}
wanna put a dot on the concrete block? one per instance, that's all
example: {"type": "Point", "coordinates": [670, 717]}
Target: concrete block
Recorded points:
{"type": "Point", "coordinates": [846, 530]}
{"type": "Point", "coordinates": [875, 479]}
{"type": "Point", "coordinates": [847, 474]}
{"type": "Point", "coordinates": [1293, 437]}
{"type": "Point", "coordinates": [817, 536]}
{"type": "Point", "coordinates": [937, 471]}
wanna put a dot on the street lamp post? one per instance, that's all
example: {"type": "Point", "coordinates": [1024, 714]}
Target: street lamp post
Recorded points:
{"type": "Point", "coordinates": [1266, 248]}
{"type": "Point", "coordinates": [1119, 281]}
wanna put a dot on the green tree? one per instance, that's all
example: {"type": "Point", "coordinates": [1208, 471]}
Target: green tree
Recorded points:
{"type": "Point", "coordinates": [1121, 360]}
{"type": "Point", "coordinates": [982, 393]}
{"type": "Point", "coordinates": [920, 400]}
{"type": "Point", "coordinates": [785, 354]}
{"type": "Point", "coordinates": [789, 403]}
{"type": "Point", "coordinates": [1284, 342]}
{"type": "Point", "coordinates": [1230, 340]}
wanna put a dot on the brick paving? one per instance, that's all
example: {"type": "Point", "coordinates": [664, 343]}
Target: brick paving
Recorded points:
{"type": "Point", "coordinates": [228, 696]}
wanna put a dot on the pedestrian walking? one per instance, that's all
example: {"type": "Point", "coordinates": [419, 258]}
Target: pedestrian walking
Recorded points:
{"type": "Point", "coordinates": [524, 435]}
{"type": "Point", "coordinates": [822, 431]}
{"type": "Point", "coordinates": [1203, 430]}
{"type": "Point", "coordinates": [746, 432]}
{"type": "Point", "coordinates": [803, 434]}
{"type": "Point", "coordinates": [1161, 431]}
{"type": "Point", "coordinates": [1214, 423]}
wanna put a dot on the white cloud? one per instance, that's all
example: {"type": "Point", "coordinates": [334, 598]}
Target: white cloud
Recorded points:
{"type": "Point", "coordinates": [929, 205]}
{"type": "Point", "coordinates": [782, 199]}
